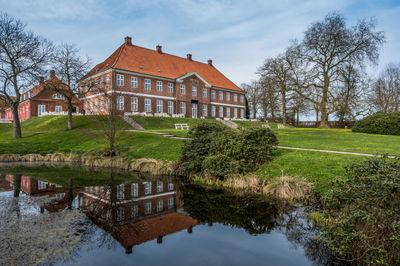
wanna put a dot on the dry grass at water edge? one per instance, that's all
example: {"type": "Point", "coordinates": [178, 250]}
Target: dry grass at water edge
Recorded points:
{"type": "Point", "coordinates": [143, 165]}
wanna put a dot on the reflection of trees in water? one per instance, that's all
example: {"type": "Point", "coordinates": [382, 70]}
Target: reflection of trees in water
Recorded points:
{"type": "Point", "coordinates": [257, 215]}
{"type": "Point", "coordinates": [30, 237]}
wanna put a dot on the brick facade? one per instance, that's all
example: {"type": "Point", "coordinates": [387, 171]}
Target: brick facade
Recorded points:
{"type": "Point", "coordinates": [42, 99]}
{"type": "Point", "coordinates": [144, 91]}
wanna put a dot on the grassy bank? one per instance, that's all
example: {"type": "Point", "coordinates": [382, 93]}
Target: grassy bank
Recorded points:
{"type": "Point", "coordinates": [49, 135]}
{"type": "Point", "coordinates": [167, 124]}
{"type": "Point", "coordinates": [339, 140]}
{"type": "Point", "coordinates": [317, 167]}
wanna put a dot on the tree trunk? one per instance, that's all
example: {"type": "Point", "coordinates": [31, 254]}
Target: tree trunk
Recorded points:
{"type": "Point", "coordinates": [16, 122]}
{"type": "Point", "coordinates": [283, 107]}
{"type": "Point", "coordinates": [17, 185]}
{"type": "Point", "coordinates": [324, 101]}
{"type": "Point", "coordinates": [70, 114]}
{"type": "Point", "coordinates": [70, 193]}
{"type": "Point", "coordinates": [254, 110]}
{"type": "Point", "coordinates": [298, 116]}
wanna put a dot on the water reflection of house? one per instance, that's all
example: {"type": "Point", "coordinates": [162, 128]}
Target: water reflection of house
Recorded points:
{"type": "Point", "coordinates": [5, 184]}
{"type": "Point", "coordinates": [134, 213]}
{"type": "Point", "coordinates": [36, 187]}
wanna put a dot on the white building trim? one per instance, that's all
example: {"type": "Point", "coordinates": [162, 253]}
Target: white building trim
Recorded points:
{"type": "Point", "coordinates": [180, 79]}
{"type": "Point", "coordinates": [230, 105]}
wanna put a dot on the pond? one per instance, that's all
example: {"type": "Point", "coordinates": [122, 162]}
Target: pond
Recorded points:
{"type": "Point", "coordinates": [76, 216]}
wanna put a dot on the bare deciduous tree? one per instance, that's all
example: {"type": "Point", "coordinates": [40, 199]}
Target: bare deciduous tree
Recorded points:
{"type": "Point", "coordinates": [252, 93]}
{"type": "Point", "coordinates": [326, 47]}
{"type": "Point", "coordinates": [23, 57]}
{"type": "Point", "coordinates": [350, 93]}
{"type": "Point", "coordinates": [276, 73]}
{"type": "Point", "coordinates": [385, 91]}
{"type": "Point", "coordinates": [70, 68]}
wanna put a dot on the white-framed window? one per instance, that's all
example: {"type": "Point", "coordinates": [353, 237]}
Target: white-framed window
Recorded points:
{"type": "Point", "coordinates": [170, 87]}
{"type": "Point", "coordinates": [194, 91]}
{"type": "Point", "coordinates": [147, 208]}
{"type": "Point", "coordinates": [235, 97]}
{"type": "Point", "coordinates": [241, 98]}
{"type": "Point", "coordinates": [58, 109]}
{"type": "Point", "coordinates": [42, 185]}
{"type": "Point", "coordinates": [91, 106]}
{"type": "Point", "coordinates": [221, 111]}
{"type": "Point", "coordinates": [108, 80]}
{"type": "Point", "coordinates": [147, 105]}
{"type": "Point", "coordinates": [101, 104]}
{"type": "Point", "coordinates": [183, 88]}
{"type": "Point", "coordinates": [182, 106]}
{"type": "Point", "coordinates": [171, 202]}
{"type": "Point", "coordinates": [159, 186]}
{"type": "Point", "coordinates": [159, 85]}
{"type": "Point", "coordinates": [241, 113]}
{"type": "Point", "coordinates": [213, 111]}
{"type": "Point", "coordinates": [134, 189]}
{"type": "Point", "coordinates": [120, 80]}
{"type": "Point", "coordinates": [120, 103]}
{"type": "Point", "coordinates": [204, 92]}
{"type": "Point", "coordinates": [159, 104]}
{"type": "Point", "coordinates": [235, 112]}
{"type": "Point", "coordinates": [228, 112]}
{"type": "Point", "coordinates": [160, 205]}
{"type": "Point", "coordinates": [96, 105]}
{"type": "Point", "coordinates": [147, 188]}
{"type": "Point", "coordinates": [204, 110]}
{"type": "Point", "coordinates": [147, 84]}
{"type": "Point", "coordinates": [86, 107]}
{"type": "Point", "coordinates": [102, 82]}
{"type": "Point", "coordinates": [221, 95]}
{"type": "Point", "coordinates": [213, 94]}
{"type": "Point", "coordinates": [228, 96]}
{"type": "Point", "coordinates": [120, 192]}
{"type": "Point", "coordinates": [58, 96]}
{"type": "Point", "coordinates": [134, 82]}
{"type": "Point", "coordinates": [120, 214]}
{"type": "Point", "coordinates": [134, 211]}
{"type": "Point", "coordinates": [134, 104]}
{"type": "Point", "coordinates": [170, 107]}
{"type": "Point", "coordinates": [171, 186]}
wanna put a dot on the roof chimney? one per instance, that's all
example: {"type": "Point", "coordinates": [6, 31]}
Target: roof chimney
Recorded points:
{"type": "Point", "coordinates": [41, 80]}
{"type": "Point", "coordinates": [128, 40]}
{"type": "Point", "coordinates": [189, 57]}
{"type": "Point", "coordinates": [210, 62]}
{"type": "Point", "coordinates": [159, 49]}
{"type": "Point", "coordinates": [52, 73]}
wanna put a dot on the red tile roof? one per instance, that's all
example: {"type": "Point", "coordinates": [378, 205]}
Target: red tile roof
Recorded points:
{"type": "Point", "coordinates": [143, 60]}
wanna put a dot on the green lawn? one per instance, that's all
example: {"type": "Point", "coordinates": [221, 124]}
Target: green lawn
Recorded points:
{"type": "Point", "coordinates": [167, 124]}
{"type": "Point", "coordinates": [317, 167]}
{"type": "Point", "coordinates": [48, 135]}
{"type": "Point", "coordinates": [246, 124]}
{"type": "Point", "coordinates": [339, 140]}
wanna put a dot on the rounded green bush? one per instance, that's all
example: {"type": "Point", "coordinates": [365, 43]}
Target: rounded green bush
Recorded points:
{"type": "Point", "coordinates": [379, 123]}
{"type": "Point", "coordinates": [220, 165]}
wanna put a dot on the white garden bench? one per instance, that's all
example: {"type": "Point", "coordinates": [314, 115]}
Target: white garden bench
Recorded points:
{"type": "Point", "coordinates": [182, 126]}
{"type": "Point", "coordinates": [280, 126]}
{"type": "Point", "coordinates": [266, 126]}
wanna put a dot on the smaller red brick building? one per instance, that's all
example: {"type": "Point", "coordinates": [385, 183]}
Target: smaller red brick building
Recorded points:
{"type": "Point", "coordinates": [42, 100]}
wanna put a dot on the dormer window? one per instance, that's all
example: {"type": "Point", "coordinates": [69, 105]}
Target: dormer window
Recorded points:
{"type": "Point", "coordinates": [58, 96]}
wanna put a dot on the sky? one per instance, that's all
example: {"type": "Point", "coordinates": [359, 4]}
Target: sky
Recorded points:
{"type": "Point", "coordinates": [237, 35]}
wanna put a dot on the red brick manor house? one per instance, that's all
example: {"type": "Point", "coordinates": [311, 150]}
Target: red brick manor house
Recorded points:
{"type": "Point", "coordinates": [150, 82]}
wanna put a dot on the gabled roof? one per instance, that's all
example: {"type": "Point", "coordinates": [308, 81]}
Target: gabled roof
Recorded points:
{"type": "Point", "coordinates": [146, 61]}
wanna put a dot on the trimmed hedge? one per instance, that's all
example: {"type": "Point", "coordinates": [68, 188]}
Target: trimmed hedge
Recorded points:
{"type": "Point", "coordinates": [379, 123]}
{"type": "Point", "coordinates": [220, 151]}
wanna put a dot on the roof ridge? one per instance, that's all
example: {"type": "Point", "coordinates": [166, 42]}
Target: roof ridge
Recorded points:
{"type": "Point", "coordinates": [181, 57]}
{"type": "Point", "coordinates": [119, 54]}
